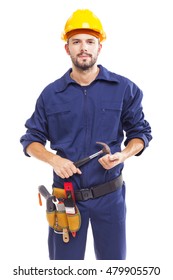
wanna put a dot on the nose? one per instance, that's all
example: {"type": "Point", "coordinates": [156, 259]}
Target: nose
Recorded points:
{"type": "Point", "coordinates": [84, 46]}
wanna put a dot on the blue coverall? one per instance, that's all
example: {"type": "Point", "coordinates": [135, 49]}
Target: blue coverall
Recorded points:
{"type": "Point", "coordinates": [73, 117]}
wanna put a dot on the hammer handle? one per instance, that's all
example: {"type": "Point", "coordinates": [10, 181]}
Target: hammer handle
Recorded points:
{"type": "Point", "coordinates": [81, 162]}
{"type": "Point", "coordinates": [85, 160]}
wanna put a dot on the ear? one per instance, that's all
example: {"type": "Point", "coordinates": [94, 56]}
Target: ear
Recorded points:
{"type": "Point", "coordinates": [99, 49]}
{"type": "Point", "coordinates": [67, 49]}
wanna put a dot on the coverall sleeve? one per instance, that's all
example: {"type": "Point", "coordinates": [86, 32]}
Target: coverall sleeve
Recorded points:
{"type": "Point", "coordinates": [134, 123]}
{"type": "Point", "coordinates": [37, 130]}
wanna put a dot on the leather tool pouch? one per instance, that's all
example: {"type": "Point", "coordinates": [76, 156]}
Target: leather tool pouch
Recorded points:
{"type": "Point", "coordinates": [59, 220]}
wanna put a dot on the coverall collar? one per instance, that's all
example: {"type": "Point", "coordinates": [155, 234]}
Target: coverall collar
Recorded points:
{"type": "Point", "coordinates": [103, 75]}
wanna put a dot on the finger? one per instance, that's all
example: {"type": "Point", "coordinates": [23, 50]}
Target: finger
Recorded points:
{"type": "Point", "coordinates": [104, 160]}
{"type": "Point", "coordinates": [104, 163]}
{"type": "Point", "coordinates": [79, 171]}
{"type": "Point", "coordinates": [67, 172]}
{"type": "Point", "coordinates": [74, 170]}
{"type": "Point", "coordinates": [70, 170]}
{"type": "Point", "coordinates": [60, 175]}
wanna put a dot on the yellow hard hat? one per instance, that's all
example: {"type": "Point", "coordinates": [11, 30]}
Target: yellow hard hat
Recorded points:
{"type": "Point", "coordinates": [83, 21]}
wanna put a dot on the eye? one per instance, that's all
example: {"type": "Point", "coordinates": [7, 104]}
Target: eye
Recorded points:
{"type": "Point", "coordinates": [90, 42]}
{"type": "Point", "coordinates": [75, 42]}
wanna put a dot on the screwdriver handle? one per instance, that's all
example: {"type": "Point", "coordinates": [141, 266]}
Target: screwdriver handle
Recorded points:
{"type": "Point", "coordinates": [44, 192]}
{"type": "Point", "coordinates": [50, 206]}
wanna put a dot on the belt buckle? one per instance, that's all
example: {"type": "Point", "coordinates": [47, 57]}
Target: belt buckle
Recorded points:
{"type": "Point", "coordinates": [86, 194]}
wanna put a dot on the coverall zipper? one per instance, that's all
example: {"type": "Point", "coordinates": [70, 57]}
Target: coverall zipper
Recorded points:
{"type": "Point", "coordinates": [84, 181]}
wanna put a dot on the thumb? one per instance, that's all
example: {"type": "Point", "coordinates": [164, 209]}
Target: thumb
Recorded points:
{"type": "Point", "coordinates": [113, 157]}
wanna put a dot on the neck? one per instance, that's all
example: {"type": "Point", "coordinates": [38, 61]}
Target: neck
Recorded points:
{"type": "Point", "coordinates": [85, 77]}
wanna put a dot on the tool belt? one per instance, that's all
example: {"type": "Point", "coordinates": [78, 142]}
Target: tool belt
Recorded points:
{"type": "Point", "coordinates": [60, 220]}
{"type": "Point", "coordinates": [99, 190]}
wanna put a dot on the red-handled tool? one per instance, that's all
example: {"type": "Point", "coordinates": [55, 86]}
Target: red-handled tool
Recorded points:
{"type": "Point", "coordinates": [69, 202]}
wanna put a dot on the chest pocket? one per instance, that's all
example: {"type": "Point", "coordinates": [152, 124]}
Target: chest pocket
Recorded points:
{"type": "Point", "coordinates": [60, 121]}
{"type": "Point", "coordinates": [110, 120]}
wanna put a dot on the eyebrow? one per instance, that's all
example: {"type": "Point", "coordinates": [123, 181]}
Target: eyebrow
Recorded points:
{"type": "Point", "coordinates": [88, 39]}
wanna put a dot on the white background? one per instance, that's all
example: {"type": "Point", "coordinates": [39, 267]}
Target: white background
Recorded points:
{"type": "Point", "coordinates": [138, 46]}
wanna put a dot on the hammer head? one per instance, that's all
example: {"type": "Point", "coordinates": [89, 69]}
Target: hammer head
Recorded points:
{"type": "Point", "coordinates": [105, 148]}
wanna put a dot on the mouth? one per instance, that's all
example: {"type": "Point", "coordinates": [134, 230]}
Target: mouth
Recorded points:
{"type": "Point", "coordinates": [84, 55]}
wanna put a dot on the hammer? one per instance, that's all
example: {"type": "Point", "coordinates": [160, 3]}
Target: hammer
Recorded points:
{"type": "Point", "coordinates": [105, 150]}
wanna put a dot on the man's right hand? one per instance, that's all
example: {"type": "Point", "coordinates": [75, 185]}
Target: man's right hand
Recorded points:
{"type": "Point", "coordinates": [63, 167]}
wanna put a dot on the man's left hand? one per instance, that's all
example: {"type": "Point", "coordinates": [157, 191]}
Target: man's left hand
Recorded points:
{"type": "Point", "coordinates": [110, 161]}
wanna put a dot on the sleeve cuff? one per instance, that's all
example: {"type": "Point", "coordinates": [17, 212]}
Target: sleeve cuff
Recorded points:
{"type": "Point", "coordinates": [142, 137]}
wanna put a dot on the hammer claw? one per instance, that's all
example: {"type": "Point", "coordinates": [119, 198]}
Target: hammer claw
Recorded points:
{"type": "Point", "coordinates": [105, 150]}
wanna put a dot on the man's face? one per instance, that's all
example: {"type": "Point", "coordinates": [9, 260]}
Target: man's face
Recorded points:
{"type": "Point", "coordinates": [83, 50]}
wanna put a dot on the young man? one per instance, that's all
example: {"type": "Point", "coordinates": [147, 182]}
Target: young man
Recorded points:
{"type": "Point", "coordinates": [86, 105]}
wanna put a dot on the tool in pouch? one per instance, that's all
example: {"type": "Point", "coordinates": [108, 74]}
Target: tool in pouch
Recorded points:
{"type": "Point", "coordinates": [61, 211]}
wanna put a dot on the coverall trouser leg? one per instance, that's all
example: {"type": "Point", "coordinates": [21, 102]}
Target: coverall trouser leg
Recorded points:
{"type": "Point", "coordinates": [107, 215]}
{"type": "Point", "coordinates": [108, 225]}
{"type": "Point", "coordinates": [75, 248]}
